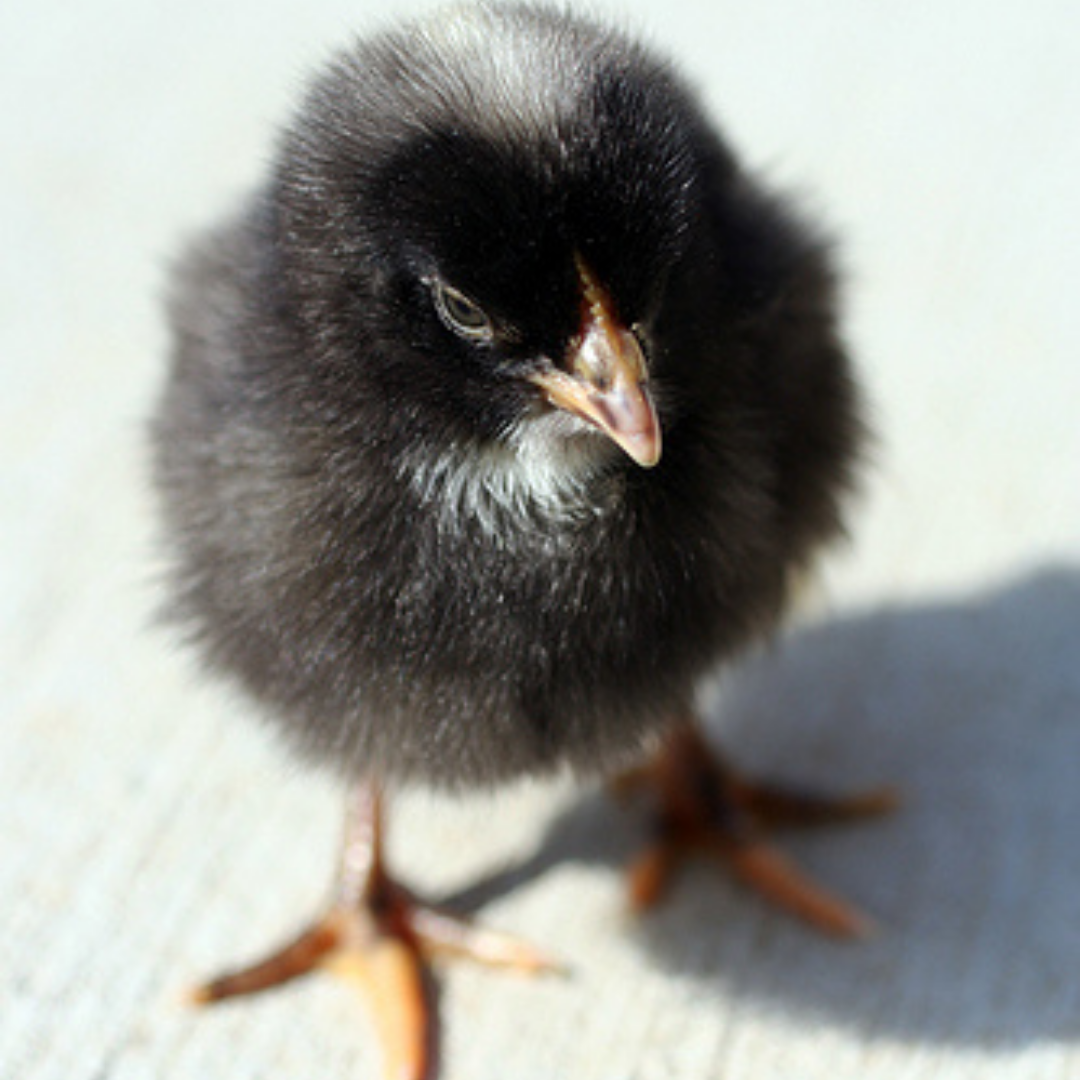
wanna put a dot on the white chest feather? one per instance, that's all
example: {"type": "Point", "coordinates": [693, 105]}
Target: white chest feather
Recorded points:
{"type": "Point", "coordinates": [544, 473]}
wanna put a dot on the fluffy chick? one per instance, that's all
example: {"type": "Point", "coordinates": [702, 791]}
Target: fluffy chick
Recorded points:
{"type": "Point", "coordinates": [502, 414]}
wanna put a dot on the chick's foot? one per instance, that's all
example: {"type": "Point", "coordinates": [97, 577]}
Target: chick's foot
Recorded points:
{"type": "Point", "coordinates": [704, 805]}
{"type": "Point", "coordinates": [378, 935]}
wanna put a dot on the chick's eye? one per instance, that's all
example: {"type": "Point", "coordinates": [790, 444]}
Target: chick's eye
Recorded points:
{"type": "Point", "coordinates": [461, 315]}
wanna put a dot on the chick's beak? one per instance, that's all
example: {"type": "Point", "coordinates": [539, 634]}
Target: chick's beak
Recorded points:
{"type": "Point", "coordinates": [604, 380]}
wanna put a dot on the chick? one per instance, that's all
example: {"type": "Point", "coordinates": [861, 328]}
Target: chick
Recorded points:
{"type": "Point", "coordinates": [501, 416]}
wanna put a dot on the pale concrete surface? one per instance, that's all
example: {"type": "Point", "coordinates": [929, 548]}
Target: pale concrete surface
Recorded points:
{"type": "Point", "coordinates": [149, 832]}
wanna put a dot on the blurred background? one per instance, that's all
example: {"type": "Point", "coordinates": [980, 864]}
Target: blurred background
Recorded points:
{"type": "Point", "coordinates": [148, 833]}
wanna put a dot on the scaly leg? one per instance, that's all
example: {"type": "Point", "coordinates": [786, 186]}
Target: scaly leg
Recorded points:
{"type": "Point", "coordinates": [377, 934]}
{"type": "Point", "coordinates": [705, 805]}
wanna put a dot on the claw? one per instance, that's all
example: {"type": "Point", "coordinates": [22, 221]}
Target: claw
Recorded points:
{"type": "Point", "coordinates": [380, 937]}
{"type": "Point", "coordinates": [706, 806]}
{"type": "Point", "coordinates": [391, 975]}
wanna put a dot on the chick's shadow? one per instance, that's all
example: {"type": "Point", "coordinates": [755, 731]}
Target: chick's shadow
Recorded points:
{"type": "Point", "coordinates": [972, 707]}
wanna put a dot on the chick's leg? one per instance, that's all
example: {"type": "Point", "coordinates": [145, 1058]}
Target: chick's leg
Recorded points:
{"type": "Point", "coordinates": [378, 935]}
{"type": "Point", "coordinates": [704, 805]}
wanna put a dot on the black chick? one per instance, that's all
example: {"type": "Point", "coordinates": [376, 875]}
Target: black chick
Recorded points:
{"type": "Point", "coordinates": [410, 451]}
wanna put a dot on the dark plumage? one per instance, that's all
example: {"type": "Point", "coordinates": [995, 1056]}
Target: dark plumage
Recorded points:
{"type": "Point", "coordinates": [381, 524]}
{"type": "Point", "coordinates": [366, 529]}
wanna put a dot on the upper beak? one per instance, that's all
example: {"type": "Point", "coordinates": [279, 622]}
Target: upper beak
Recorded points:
{"type": "Point", "coordinates": [604, 380]}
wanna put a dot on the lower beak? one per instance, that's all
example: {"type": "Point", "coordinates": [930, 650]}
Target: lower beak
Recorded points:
{"type": "Point", "coordinates": [604, 383]}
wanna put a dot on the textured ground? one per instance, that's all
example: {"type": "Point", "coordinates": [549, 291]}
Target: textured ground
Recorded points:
{"type": "Point", "coordinates": [147, 832]}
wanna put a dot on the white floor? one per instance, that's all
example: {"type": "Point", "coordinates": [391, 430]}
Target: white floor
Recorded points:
{"type": "Point", "coordinates": [148, 833]}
